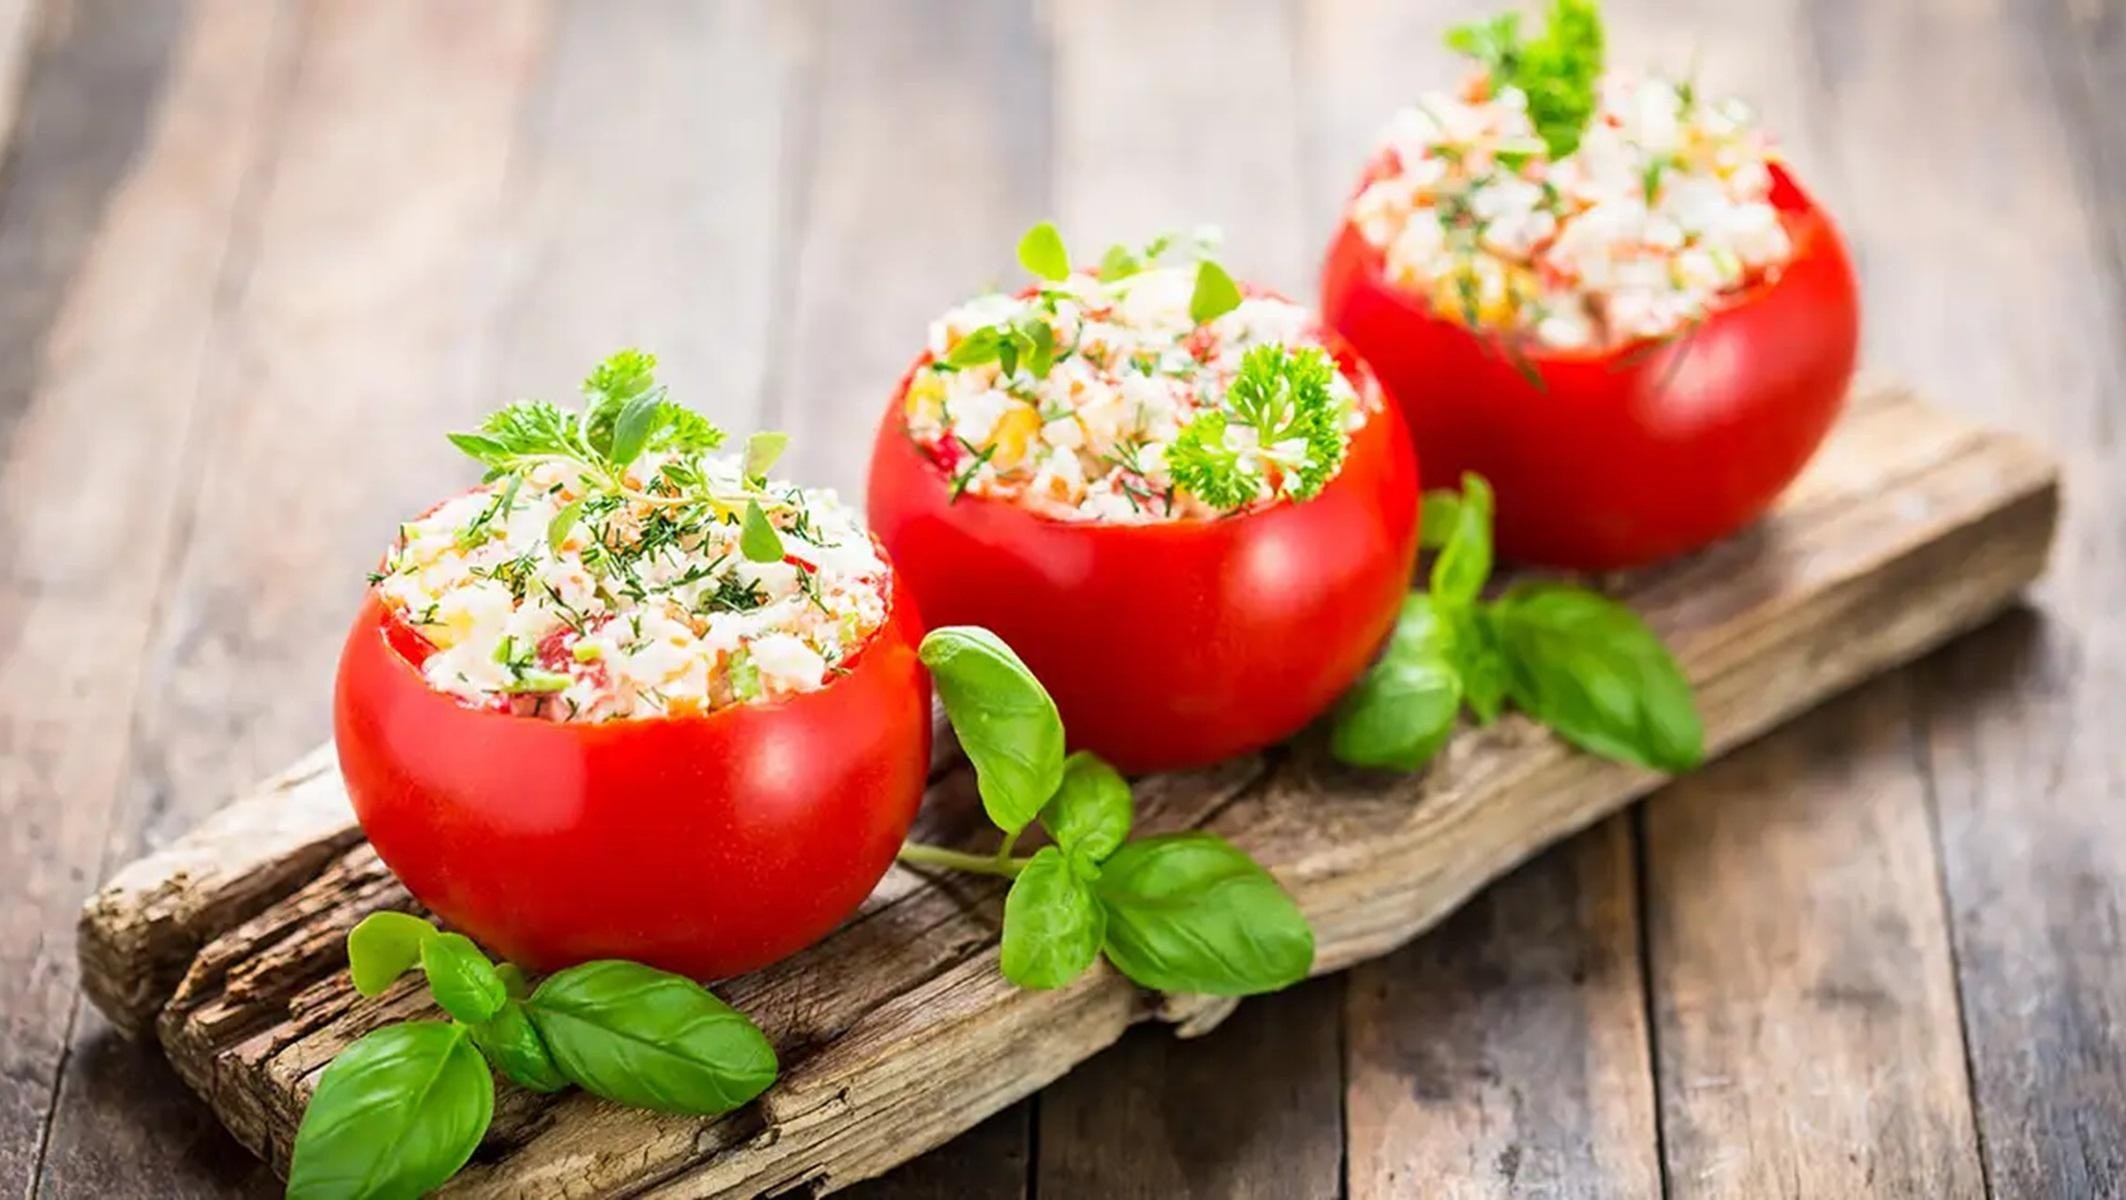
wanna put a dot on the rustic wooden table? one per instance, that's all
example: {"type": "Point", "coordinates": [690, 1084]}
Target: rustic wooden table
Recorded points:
{"type": "Point", "coordinates": [255, 256]}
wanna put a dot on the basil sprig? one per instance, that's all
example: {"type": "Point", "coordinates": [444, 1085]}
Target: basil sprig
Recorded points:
{"type": "Point", "coordinates": [401, 1110]}
{"type": "Point", "coordinates": [1004, 719]}
{"type": "Point", "coordinates": [1190, 912]}
{"type": "Point", "coordinates": [1181, 913]}
{"type": "Point", "coordinates": [1573, 659]}
{"type": "Point", "coordinates": [650, 1039]}
{"type": "Point", "coordinates": [396, 1114]}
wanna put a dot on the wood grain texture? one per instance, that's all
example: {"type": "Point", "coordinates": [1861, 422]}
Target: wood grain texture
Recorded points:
{"type": "Point", "coordinates": [340, 268]}
{"type": "Point", "coordinates": [989, 1162]}
{"type": "Point", "coordinates": [1248, 1110]}
{"type": "Point", "coordinates": [1805, 1010]}
{"type": "Point", "coordinates": [1251, 1109]}
{"type": "Point", "coordinates": [2025, 275]}
{"type": "Point", "coordinates": [897, 1032]}
{"type": "Point", "coordinates": [18, 39]}
{"type": "Point", "coordinates": [918, 180]}
{"type": "Point", "coordinates": [707, 179]}
{"type": "Point", "coordinates": [1505, 1054]}
{"type": "Point", "coordinates": [118, 210]}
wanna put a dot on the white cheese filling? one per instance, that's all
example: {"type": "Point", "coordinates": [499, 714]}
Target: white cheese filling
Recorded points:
{"type": "Point", "coordinates": [641, 609]}
{"type": "Point", "coordinates": [1663, 210]}
{"type": "Point", "coordinates": [1087, 440]}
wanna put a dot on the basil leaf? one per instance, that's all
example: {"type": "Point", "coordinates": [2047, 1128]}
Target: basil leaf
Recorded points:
{"type": "Point", "coordinates": [564, 520]}
{"type": "Point", "coordinates": [383, 947]}
{"type": "Point", "coordinates": [514, 981]}
{"type": "Point", "coordinates": [762, 450]}
{"type": "Point", "coordinates": [480, 447]}
{"type": "Point", "coordinates": [395, 1115]}
{"type": "Point", "coordinates": [638, 419]}
{"type": "Point", "coordinates": [1052, 923]}
{"type": "Point", "coordinates": [1118, 263]}
{"type": "Point", "coordinates": [758, 540]}
{"type": "Point", "coordinates": [1398, 715]}
{"type": "Point", "coordinates": [978, 347]}
{"type": "Point", "coordinates": [1589, 668]}
{"type": "Point", "coordinates": [1438, 514]}
{"type": "Point", "coordinates": [1041, 252]}
{"type": "Point", "coordinates": [1464, 562]}
{"type": "Point", "coordinates": [1090, 813]}
{"type": "Point", "coordinates": [1192, 913]}
{"type": "Point", "coordinates": [1472, 647]}
{"type": "Point", "coordinates": [463, 981]}
{"type": "Point", "coordinates": [1216, 294]}
{"type": "Point", "coordinates": [1040, 339]}
{"type": "Point", "coordinates": [1421, 627]}
{"type": "Point", "coordinates": [1004, 718]}
{"type": "Point", "coordinates": [643, 1037]}
{"type": "Point", "coordinates": [513, 1045]}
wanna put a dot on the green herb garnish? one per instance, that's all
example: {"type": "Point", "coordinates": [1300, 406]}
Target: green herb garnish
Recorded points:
{"type": "Point", "coordinates": [1185, 912]}
{"type": "Point", "coordinates": [1558, 71]}
{"type": "Point", "coordinates": [401, 1110]}
{"type": "Point", "coordinates": [1216, 294]}
{"type": "Point", "coordinates": [1282, 395]}
{"type": "Point", "coordinates": [1573, 659]}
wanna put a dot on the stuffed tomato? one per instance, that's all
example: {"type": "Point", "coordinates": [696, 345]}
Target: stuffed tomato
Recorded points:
{"type": "Point", "coordinates": [630, 699]}
{"type": "Point", "coordinates": [1629, 316]}
{"type": "Point", "coordinates": [1189, 513]}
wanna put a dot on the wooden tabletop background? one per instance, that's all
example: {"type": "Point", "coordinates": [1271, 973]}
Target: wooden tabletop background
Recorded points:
{"type": "Point", "coordinates": [255, 257]}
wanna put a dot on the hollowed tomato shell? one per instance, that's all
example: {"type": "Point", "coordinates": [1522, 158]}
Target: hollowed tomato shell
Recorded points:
{"type": "Point", "coordinates": [1173, 644]}
{"type": "Point", "coordinates": [1631, 455]}
{"type": "Point", "coordinates": [706, 845]}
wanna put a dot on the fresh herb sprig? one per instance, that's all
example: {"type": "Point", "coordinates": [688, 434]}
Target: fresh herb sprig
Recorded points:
{"type": "Point", "coordinates": [401, 1110]}
{"type": "Point", "coordinates": [1029, 342]}
{"type": "Point", "coordinates": [1186, 912]}
{"type": "Point", "coordinates": [626, 414]}
{"type": "Point", "coordinates": [1558, 70]}
{"type": "Point", "coordinates": [1281, 395]}
{"type": "Point", "coordinates": [1571, 658]}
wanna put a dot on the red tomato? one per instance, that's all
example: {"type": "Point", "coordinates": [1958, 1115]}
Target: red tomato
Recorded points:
{"type": "Point", "coordinates": [1174, 644]}
{"type": "Point", "coordinates": [706, 845]}
{"type": "Point", "coordinates": [1625, 456]}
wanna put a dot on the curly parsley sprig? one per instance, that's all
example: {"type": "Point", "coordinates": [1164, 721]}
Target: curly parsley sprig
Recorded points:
{"type": "Point", "coordinates": [1558, 71]}
{"type": "Point", "coordinates": [1282, 396]}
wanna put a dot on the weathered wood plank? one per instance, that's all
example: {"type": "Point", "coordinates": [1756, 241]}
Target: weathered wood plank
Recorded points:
{"type": "Point", "coordinates": [1250, 1109]}
{"type": "Point", "coordinates": [18, 40]}
{"type": "Point", "coordinates": [1805, 1010]}
{"type": "Point", "coordinates": [1253, 1111]}
{"type": "Point", "coordinates": [898, 1032]}
{"type": "Point", "coordinates": [927, 155]}
{"type": "Point", "coordinates": [257, 594]}
{"type": "Point", "coordinates": [2029, 239]}
{"type": "Point", "coordinates": [120, 193]}
{"type": "Point", "coordinates": [1223, 150]}
{"type": "Point", "coordinates": [1505, 1054]}
{"type": "Point", "coordinates": [988, 1162]}
{"type": "Point", "coordinates": [1779, 886]}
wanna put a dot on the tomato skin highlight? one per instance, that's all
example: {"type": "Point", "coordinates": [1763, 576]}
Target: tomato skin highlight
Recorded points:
{"type": "Point", "coordinates": [1174, 644]}
{"type": "Point", "coordinates": [1634, 454]}
{"type": "Point", "coordinates": [705, 845]}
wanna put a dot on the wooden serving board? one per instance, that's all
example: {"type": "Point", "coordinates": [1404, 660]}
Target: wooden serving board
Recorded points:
{"type": "Point", "coordinates": [897, 1031]}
